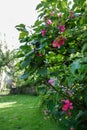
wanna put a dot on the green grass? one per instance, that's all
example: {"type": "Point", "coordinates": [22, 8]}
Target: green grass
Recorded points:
{"type": "Point", "coordinates": [22, 112]}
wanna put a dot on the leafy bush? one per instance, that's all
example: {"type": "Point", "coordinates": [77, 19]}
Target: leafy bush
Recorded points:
{"type": "Point", "coordinates": [56, 53]}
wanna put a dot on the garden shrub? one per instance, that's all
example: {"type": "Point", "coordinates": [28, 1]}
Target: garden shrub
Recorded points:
{"type": "Point", "coordinates": [56, 54]}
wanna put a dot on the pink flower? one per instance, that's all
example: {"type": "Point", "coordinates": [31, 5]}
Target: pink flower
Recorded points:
{"type": "Point", "coordinates": [55, 43]}
{"type": "Point", "coordinates": [71, 128]}
{"type": "Point", "coordinates": [67, 105]}
{"type": "Point", "coordinates": [62, 28]}
{"type": "Point", "coordinates": [43, 32]}
{"type": "Point", "coordinates": [70, 107]}
{"type": "Point", "coordinates": [59, 41]}
{"type": "Point", "coordinates": [49, 22]}
{"type": "Point", "coordinates": [62, 40]}
{"type": "Point", "coordinates": [51, 81]}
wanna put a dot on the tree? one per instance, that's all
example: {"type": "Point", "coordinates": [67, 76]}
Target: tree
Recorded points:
{"type": "Point", "coordinates": [7, 58]}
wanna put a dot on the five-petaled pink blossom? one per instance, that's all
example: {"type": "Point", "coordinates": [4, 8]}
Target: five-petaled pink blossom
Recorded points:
{"type": "Point", "coordinates": [51, 81]}
{"type": "Point", "coordinates": [67, 105]}
{"type": "Point", "coordinates": [62, 28]}
{"type": "Point", "coordinates": [49, 22]}
{"type": "Point", "coordinates": [59, 41]}
{"type": "Point", "coordinates": [43, 32]}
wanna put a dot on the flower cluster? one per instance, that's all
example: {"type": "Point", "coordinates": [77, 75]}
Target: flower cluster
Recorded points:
{"type": "Point", "coordinates": [67, 106]}
{"type": "Point", "coordinates": [59, 41]}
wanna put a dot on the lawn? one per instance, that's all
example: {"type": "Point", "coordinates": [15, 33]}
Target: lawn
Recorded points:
{"type": "Point", "coordinates": [22, 112]}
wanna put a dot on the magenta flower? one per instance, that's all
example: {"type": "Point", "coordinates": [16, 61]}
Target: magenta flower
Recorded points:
{"type": "Point", "coordinates": [67, 105]}
{"type": "Point", "coordinates": [62, 40]}
{"type": "Point", "coordinates": [49, 22]}
{"type": "Point", "coordinates": [55, 43]}
{"type": "Point", "coordinates": [59, 41]}
{"type": "Point", "coordinates": [51, 81]}
{"type": "Point", "coordinates": [43, 32]}
{"type": "Point", "coordinates": [62, 28]}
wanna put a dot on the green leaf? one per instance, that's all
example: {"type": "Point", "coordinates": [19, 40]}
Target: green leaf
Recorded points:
{"type": "Point", "coordinates": [25, 47]}
{"type": "Point", "coordinates": [75, 66]}
{"type": "Point", "coordinates": [42, 89]}
{"type": "Point", "coordinates": [50, 105]}
{"type": "Point", "coordinates": [25, 63]}
{"type": "Point", "coordinates": [23, 35]}
{"type": "Point", "coordinates": [20, 27]}
{"type": "Point", "coordinates": [39, 5]}
{"type": "Point", "coordinates": [70, 81]}
{"type": "Point", "coordinates": [25, 75]}
{"type": "Point", "coordinates": [30, 53]}
{"type": "Point", "coordinates": [84, 48]}
{"type": "Point", "coordinates": [42, 71]}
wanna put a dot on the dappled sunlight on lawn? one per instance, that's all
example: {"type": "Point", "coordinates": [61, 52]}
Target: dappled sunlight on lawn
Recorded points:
{"type": "Point", "coordinates": [23, 112]}
{"type": "Point", "coordinates": [7, 104]}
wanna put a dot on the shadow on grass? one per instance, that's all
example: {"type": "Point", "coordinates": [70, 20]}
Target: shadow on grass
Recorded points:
{"type": "Point", "coordinates": [22, 112]}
